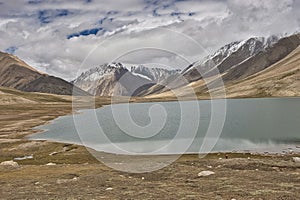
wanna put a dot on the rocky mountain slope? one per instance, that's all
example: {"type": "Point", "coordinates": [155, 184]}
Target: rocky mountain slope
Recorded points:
{"type": "Point", "coordinates": [116, 79]}
{"type": "Point", "coordinates": [263, 59]}
{"type": "Point", "coordinates": [235, 62]}
{"type": "Point", "coordinates": [228, 56]}
{"type": "Point", "coordinates": [279, 79]}
{"type": "Point", "coordinates": [15, 73]}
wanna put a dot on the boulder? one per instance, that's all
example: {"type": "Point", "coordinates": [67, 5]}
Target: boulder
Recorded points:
{"type": "Point", "coordinates": [296, 159]}
{"type": "Point", "coordinates": [10, 163]}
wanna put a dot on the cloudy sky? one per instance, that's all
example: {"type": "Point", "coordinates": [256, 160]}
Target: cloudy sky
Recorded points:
{"type": "Point", "coordinates": [63, 38]}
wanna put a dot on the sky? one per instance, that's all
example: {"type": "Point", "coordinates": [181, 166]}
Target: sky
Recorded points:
{"type": "Point", "coordinates": [64, 38]}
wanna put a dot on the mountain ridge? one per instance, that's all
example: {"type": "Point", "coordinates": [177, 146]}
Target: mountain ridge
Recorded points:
{"type": "Point", "coordinates": [15, 73]}
{"type": "Point", "coordinates": [118, 79]}
{"type": "Point", "coordinates": [233, 61]}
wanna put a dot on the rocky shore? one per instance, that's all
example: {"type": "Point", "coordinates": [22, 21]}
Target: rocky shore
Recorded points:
{"type": "Point", "coordinates": [66, 171]}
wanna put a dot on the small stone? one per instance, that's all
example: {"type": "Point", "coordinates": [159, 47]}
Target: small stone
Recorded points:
{"type": "Point", "coordinates": [10, 163]}
{"type": "Point", "coordinates": [109, 188]}
{"type": "Point", "coordinates": [60, 181]}
{"type": "Point", "coordinates": [209, 167]}
{"type": "Point", "coordinates": [53, 153]}
{"type": "Point", "coordinates": [66, 149]}
{"type": "Point", "coordinates": [276, 168]}
{"type": "Point", "coordinates": [50, 164]}
{"type": "Point", "coordinates": [143, 178]}
{"type": "Point", "coordinates": [24, 158]}
{"type": "Point", "coordinates": [296, 159]}
{"type": "Point", "coordinates": [205, 173]}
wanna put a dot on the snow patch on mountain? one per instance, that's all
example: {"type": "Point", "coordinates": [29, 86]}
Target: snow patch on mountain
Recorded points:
{"type": "Point", "coordinates": [156, 75]}
{"type": "Point", "coordinates": [141, 75]}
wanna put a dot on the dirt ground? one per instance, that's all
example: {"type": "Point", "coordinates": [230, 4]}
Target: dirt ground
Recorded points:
{"type": "Point", "coordinates": [67, 171]}
{"type": "Point", "coordinates": [78, 175]}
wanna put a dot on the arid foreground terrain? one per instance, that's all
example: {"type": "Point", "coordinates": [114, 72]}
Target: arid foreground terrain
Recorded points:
{"type": "Point", "coordinates": [66, 171]}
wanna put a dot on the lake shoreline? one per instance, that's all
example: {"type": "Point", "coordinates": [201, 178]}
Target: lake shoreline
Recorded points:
{"type": "Point", "coordinates": [269, 144]}
{"type": "Point", "coordinates": [27, 133]}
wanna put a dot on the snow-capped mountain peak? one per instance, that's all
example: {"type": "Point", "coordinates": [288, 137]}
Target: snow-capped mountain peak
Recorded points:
{"type": "Point", "coordinates": [247, 48]}
{"type": "Point", "coordinates": [99, 71]}
{"type": "Point", "coordinates": [105, 76]}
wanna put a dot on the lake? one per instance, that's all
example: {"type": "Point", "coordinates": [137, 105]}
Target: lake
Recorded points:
{"type": "Point", "coordinates": [255, 125]}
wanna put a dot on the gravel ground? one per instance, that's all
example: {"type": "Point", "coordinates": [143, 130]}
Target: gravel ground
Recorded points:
{"type": "Point", "coordinates": [78, 175]}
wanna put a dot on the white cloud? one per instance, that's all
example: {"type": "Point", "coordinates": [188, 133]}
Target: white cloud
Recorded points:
{"type": "Point", "coordinates": [174, 27]}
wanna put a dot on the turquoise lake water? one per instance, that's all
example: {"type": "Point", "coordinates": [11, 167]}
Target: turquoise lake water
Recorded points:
{"type": "Point", "coordinates": [257, 125]}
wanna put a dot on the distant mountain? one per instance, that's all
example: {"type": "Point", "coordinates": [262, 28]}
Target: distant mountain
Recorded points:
{"type": "Point", "coordinates": [235, 62]}
{"type": "Point", "coordinates": [218, 62]}
{"type": "Point", "coordinates": [156, 75]}
{"type": "Point", "coordinates": [15, 73]}
{"type": "Point", "coordinates": [227, 57]}
{"type": "Point", "coordinates": [263, 59]}
{"type": "Point", "coordinates": [116, 79]}
{"type": "Point", "coordinates": [281, 79]}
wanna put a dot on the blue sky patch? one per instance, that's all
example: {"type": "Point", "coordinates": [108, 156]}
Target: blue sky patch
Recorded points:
{"type": "Point", "coordinates": [101, 21]}
{"type": "Point", "coordinates": [11, 49]}
{"type": "Point", "coordinates": [86, 32]}
{"type": "Point", "coordinates": [182, 13]}
{"type": "Point", "coordinates": [176, 13]}
{"type": "Point", "coordinates": [155, 14]}
{"type": "Point", "coordinates": [47, 16]}
{"type": "Point", "coordinates": [112, 12]}
{"type": "Point", "coordinates": [35, 1]}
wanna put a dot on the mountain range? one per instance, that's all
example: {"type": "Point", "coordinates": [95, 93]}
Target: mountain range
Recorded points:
{"type": "Point", "coordinates": [117, 79]}
{"type": "Point", "coordinates": [253, 67]}
{"type": "Point", "coordinates": [236, 63]}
